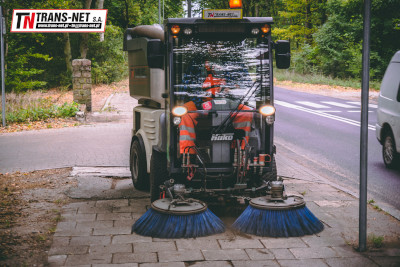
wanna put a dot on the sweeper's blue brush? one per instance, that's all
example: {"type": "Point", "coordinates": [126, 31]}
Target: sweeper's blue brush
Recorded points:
{"type": "Point", "coordinates": [277, 215]}
{"type": "Point", "coordinates": [192, 219]}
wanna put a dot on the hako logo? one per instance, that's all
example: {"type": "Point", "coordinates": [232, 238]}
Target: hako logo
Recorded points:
{"type": "Point", "coordinates": [222, 137]}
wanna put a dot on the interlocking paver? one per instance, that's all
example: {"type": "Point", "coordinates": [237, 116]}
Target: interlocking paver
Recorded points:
{"type": "Point", "coordinates": [94, 225]}
{"type": "Point", "coordinates": [112, 248]}
{"type": "Point", "coordinates": [282, 253]}
{"type": "Point", "coordinates": [88, 240]}
{"type": "Point", "coordinates": [264, 263]}
{"type": "Point", "coordinates": [211, 264]}
{"type": "Point", "coordinates": [74, 260]}
{"type": "Point", "coordinates": [181, 255]}
{"type": "Point", "coordinates": [153, 246]}
{"type": "Point", "coordinates": [163, 264]}
{"type": "Point", "coordinates": [190, 243]}
{"type": "Point", "coordinates": [134, 257]}
{"type": "Point", "coordinates": [259, 254]}
{"type": "Point", "coordinates": [114, 216]}
{"type": "Point", "coordinates": [302, 263]}
{"type": "Point", "coordinates": [225, 254]}
{"type": "Point", "coordinates": [314, 253]}
{"type": "Point", "coordinates": [116, 265]}
{"type": "Point", "coordinates": [241, 243]}
{"type": "Point", "coordinates": [133, 238]}
{"type": "Point", "coordinates": [83, 217]}
{"type": "Point", "coordinates": [291, 242]}
{"type": "Point", "coordinates": [316, 241]}
{"type": "Point", "coordinates": [73, 232]}
{"type": "Point", "coordinates": [112, 231]}
{"type": "Point", "coordinates": [68, 250]}
{"type": "Point", "coordinates": [56, 260]}
{"type": "Point", "coordinates": [356, 261]}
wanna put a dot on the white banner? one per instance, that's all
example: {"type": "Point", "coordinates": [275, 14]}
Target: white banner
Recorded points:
{"type": "Point", "coordinates": [222, 14]}
{"type": "Point", "coordinates": [59, 20]}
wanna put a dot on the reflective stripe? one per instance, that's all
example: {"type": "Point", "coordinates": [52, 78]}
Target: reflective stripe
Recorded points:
{"type": "Point", "coordinates": [183, 133]}
{"type": "Point", "coordinates": [187, 128]}
{"type": "Point", "coordinates": [242, 124]}
{"type": "Point", "coordinates": [186, 138]}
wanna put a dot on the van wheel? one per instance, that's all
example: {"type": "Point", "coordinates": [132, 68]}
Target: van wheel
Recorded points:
{"type": "Point", "coordinates": [158, 173]}
{"type": "Point", "coordinates": [390, 156]}
{"type": "Point", "coordinates": [138, 166]}
{"type": "Point", "coordinates": [273, 174]}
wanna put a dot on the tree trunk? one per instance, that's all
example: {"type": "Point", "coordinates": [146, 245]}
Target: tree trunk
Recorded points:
{"type": "Point", "coordinates": [308, 23]}
{"type": "Point", "coordinates": [67, 51]}
{"type": "Point", "coordinates": [100, 5]}
{"type": "Point", "coordinates": [126, 14]}
{"type": "Point", "coordinates": [84, 46]}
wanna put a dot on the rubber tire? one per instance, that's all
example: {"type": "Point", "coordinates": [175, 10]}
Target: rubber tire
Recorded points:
{"type": "Point", "coordinates": [158, 173]}
{"type": "Point", "coordinates": [138, 166]}
{"type": "Point", "coordinates": [273, 174]}
{"type": "Point", "coordinates": [389, 154]}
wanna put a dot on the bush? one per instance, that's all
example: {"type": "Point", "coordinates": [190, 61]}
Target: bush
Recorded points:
{"type": "Point", "coordinates": [24, 108]}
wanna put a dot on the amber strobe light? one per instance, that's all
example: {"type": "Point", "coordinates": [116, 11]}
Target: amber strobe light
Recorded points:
{"type": "Point", "coordinates": [175, 29]}
{"type": "Point", "coordinates": [235, 3]}
{"type": "Point", "coordinates": [265, 28]}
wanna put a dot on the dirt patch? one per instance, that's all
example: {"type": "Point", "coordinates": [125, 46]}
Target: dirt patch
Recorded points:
{"type": "Point", "coordinates": [30, 208]}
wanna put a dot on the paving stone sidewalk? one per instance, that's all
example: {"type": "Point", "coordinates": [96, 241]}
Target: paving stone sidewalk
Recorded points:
{"type": "Point", "coordinates": [97, 232]}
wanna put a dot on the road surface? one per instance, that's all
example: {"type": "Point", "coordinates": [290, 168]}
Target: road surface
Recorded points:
{"type": "Point", "coordinates": [326, 132]}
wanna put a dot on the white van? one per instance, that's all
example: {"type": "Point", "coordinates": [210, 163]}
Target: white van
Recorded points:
{"type": "Point", "coordinates": [388, 125]}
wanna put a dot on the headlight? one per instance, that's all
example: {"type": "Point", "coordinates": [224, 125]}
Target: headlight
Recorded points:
{"type": "Point", "coordinates": [177, 121]}
{"type": "Point", "coordinates": [270, 119]}
{"type": "Point", "coordinates": [255, 31]}
{"type": "Point", "coordinates": [267, 110]}
{"type": "Point", "coordinates": [187, 31]}
{"type": "Point", "coordinates": [179, 111]}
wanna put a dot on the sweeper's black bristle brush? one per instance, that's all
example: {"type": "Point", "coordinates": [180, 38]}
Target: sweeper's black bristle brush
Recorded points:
{"type": "Point", "coordinates": [278, 215]}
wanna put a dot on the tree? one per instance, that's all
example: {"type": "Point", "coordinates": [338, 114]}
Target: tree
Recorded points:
{"type": "Point", "coordinates": [300, 19]}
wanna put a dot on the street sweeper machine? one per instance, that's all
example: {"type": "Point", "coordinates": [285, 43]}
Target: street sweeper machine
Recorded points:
{"type": "Point", "coordinates": [203, 129]}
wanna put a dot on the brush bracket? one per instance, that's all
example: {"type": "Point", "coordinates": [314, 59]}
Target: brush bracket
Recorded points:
{"type": "Point", "coordinates": [187, 207]}
{"type": "Point", "coordinates": [292, 202]}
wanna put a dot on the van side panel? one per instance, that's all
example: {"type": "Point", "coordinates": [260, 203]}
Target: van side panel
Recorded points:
{"type": "Point", "coordinates": [389, 105]}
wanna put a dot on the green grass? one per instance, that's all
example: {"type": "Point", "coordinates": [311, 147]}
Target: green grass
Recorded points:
{"type": "Point", "coordinates": [376, 241]}
{"type": "Point", "coordinates": [24, 107]}
{"type": "Point", "coordinates": [289, 75]}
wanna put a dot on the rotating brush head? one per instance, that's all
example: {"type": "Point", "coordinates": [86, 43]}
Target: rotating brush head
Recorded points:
{"type": "Point", "coordinates": [192, 219]}
{"type": "Point", "coordinates": [278, 215]}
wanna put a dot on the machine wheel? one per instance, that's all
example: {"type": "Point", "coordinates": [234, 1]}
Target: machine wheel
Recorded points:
{"type": "Point", "coordinates": [273, 174]}
{"type": "Point", "coordinates": [390, 156]}
{"type": "Point", "coordinates": [158, 173]}
{"type": "Point", "coordinates": [138, 166]}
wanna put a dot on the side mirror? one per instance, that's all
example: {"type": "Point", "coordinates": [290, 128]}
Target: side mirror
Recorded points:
{"type": "Point", "coordinates": [282, 54]}
{"type": "Point", "coordinates": [155, 54]}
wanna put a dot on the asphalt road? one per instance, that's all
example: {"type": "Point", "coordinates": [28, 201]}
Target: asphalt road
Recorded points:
{"type": "Point", "coordinates": [105, 144]}
{"type": "Point", "coordinates": [325, 133]}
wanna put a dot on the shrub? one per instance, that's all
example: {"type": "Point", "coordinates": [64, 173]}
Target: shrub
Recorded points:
{"type": "Point", "coordinates": [25, 107]}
